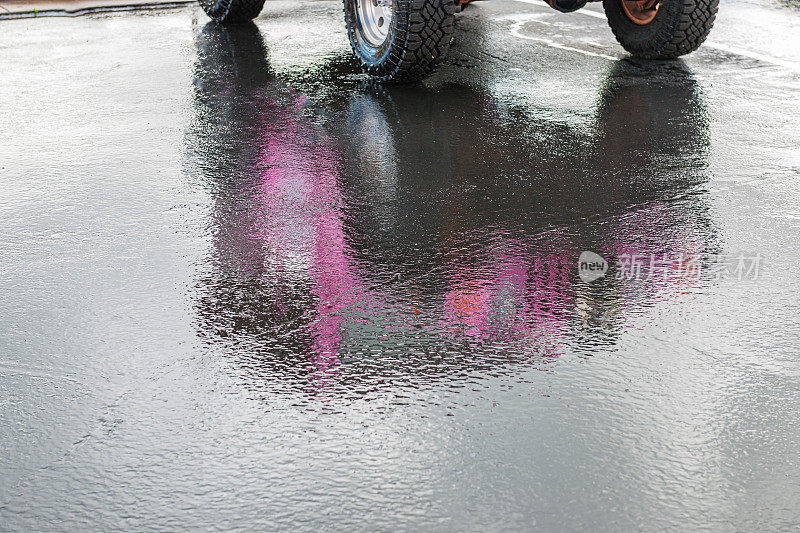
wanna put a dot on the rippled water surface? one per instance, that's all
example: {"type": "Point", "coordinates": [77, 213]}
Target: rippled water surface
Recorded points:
{"type": "Point", "coordinates": [243, 288]}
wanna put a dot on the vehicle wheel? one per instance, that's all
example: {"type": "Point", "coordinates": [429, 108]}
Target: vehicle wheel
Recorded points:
{"type": "Point", "coordinates": [660, 29]}
{"type": "Point", "coordinates": [399, 40]}
{"type": "Point", "coordinates": [232, 10]}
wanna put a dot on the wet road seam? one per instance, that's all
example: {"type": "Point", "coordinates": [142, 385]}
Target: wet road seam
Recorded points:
{"type": "Point", "coordinates": [521, 19]}
{"type": "Point", "coordinates": [9, 15]}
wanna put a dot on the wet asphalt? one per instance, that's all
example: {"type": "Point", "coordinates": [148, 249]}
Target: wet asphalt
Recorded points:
{"type": "Point", "coordinates": [243, 288]}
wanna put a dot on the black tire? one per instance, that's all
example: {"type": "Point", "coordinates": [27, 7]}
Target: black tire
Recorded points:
{"type": "Point", "coordinates": [418, 40]}
{"type": "Point", "coordinates": [232, 10]}
{"type": "Point", "coordinates": [679, 27]}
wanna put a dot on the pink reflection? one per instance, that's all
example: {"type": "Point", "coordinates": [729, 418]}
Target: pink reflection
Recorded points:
{"type": "Point", "coordinates": [518, 296]}
{"type": "Point", "coordinates": [303, 229]}
{"type": "Point", "coordinates": [523, 291]}
{"type": "Point", "coordinates": [466, 308]}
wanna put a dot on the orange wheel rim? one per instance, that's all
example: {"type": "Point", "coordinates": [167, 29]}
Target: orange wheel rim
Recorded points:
{"type": "Point", "coordinates": [641, 11]}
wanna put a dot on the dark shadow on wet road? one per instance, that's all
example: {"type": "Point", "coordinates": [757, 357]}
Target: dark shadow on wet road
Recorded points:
{"type": "Point", "coordinates": [429, 234]}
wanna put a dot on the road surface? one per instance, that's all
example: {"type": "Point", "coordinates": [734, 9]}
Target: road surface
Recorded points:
{"type": "Point", "coordinates": [243, 288]}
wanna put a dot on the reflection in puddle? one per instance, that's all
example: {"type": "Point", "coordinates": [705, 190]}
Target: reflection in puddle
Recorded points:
{"type": "Point", "coordinates": [364, 236]}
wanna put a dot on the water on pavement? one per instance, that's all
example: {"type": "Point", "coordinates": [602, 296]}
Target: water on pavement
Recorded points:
{"type": "Point", "coordinates": [244, 288]}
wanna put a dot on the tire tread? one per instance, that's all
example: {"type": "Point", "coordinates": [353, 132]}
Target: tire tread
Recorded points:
{"type": "Point", "coordinates": [421, 41]}
{"type": "Point", "coordinates": [232, 11]}
{"type": "Point", "coordinates": [681, 26]}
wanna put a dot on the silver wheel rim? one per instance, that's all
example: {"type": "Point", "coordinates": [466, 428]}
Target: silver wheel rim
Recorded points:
{"type": "Point", "coordinates": [375, 18]}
